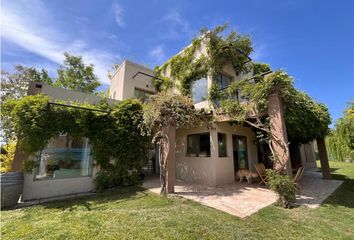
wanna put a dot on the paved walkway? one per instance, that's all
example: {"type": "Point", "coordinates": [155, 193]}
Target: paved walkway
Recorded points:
{"type": "Point", "coordinates": [314, 189]}
{"type": "Point", "coordinates": [242, 200]}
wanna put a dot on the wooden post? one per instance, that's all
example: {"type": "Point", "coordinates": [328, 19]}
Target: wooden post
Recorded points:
{"type": "Point", "coordinates": [170, 133]}
{"type": "Point", "coordinates": [280, 136]}
{"type": "Point", "coordinates": [322, 152]}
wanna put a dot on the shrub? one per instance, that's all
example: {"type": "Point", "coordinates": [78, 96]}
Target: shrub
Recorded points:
{"type": "Point", "coordinates": [7, 156]}
{"type": "Point", "coordinates": [283, 186]}
{"type": "Point", "coordinates": [114, 177]}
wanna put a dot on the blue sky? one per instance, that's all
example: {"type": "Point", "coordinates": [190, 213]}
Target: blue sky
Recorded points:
{"type": "Point", "coordinates": [312, 40]}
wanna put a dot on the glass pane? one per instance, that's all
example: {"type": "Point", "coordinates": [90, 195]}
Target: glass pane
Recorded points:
{"type": "Point", "coordinates": [223, 81]}
{"type": "Point", "coordinates": [204, 145]}
{"type": "Point", "coordinates": [222, 145]}
{"type": "Point", "coordinates": [65, 157]}
{"type": "Point", "coordinates": [200, 90]}
{"type": "Point", "coordinates": [198, 145]}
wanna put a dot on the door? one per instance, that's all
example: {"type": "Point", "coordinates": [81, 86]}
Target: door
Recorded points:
{"type": "Point", "coordinates": [240, 152]}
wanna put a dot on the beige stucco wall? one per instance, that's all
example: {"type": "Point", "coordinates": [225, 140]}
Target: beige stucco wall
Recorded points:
{"type": "Point", "coordinates": [41, 189]}
{"type": "Point", "coordinates": [65, 95]}
{"type": "Point", "coordinates": [212, 170]}
{"type": "Point", "coordinates": [123, 85]}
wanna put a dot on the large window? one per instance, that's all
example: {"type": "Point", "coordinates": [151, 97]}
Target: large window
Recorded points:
{"type": "Point", "coordinates": [141, 94]}
{"type": "Point", "coordinates": [223, 81]}
{"type": "Point", "coordinates": [222, 145]}
{"type": "Point", "coordinates": [199, 89]}
{"type": "Point", "coordinates": [198, 145]}
{"type": "Point", "coordinates": [65, 157]}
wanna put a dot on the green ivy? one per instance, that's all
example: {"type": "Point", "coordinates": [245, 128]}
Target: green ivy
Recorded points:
{"type": "Point", "coordinates": [283, 186]}
{"type": "Point", "coordinates": [184, 67]}
{"type": "Point", "coordinates": [116, 142]}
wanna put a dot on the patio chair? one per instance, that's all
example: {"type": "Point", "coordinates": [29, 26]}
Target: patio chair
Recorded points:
{"type": "Point", "coordinates": [261, 173]}
{"type": "Point", "coordinates": [297, 178]}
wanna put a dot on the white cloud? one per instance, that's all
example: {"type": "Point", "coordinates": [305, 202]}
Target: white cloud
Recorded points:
{"type": "Point", "coordinates": [30, 25]}
{"type": "Point", "coordinates": [118, 13]}
{"type": "Point", "coordinates": [157, 54]}
{"type": "Point", "coordinates": [260, 52]}
{"type": "Point", "coordinates": [175, 26]}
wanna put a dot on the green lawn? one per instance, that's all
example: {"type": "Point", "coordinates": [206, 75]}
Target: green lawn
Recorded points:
{"type": "Point", "coordinates": [134, 213]}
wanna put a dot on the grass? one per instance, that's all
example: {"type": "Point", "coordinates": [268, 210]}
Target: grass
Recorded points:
{"type": "Point", "coordinates": [133, 213]}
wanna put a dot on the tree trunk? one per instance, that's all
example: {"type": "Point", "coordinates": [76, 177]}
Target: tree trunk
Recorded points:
{"type": "Point", "coordinates": [167, 159]}
{"type": "Point", "coordinates": [278, 141]}
{"type": "Point", "coordinates": [322, 151]}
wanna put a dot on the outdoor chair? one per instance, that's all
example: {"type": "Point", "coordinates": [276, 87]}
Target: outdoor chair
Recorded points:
{"type": "Point", "coordinates": [261, 173]}
{"type": "Point", "coordinates": [297, 178]}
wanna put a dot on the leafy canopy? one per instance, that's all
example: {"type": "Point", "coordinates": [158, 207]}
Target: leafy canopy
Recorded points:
{"type": "Point", "coordinates": [193, 62]}
{"type": "Point", "coordinates": [76, 75]}
{"type": "Point", "coordinates": [167, 108]}
{"type": "Point", "coordinates": [305, 118]}
{"type": "Point", "coordinates": [340, 141]}
{"type": "Point", "coordinates": [116, 143]}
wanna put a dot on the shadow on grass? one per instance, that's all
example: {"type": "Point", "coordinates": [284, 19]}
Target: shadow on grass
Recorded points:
{"type": "Point", "coordinates": [344, 195]}
{"type": "Point", "coordinates": [99, 200]}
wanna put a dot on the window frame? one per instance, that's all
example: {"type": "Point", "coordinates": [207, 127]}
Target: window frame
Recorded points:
{"type": "Point", "coordinates": [226, 154]}
{"type": "Point", "coordinates": [221, 74]}
{"type": "Point", "coordinates": [188, 154]}
{"type": "Point", "coordinates": [144, 91]}
{"type": "Point", "coordinates": [39, 156]}
{"type": "Point", "coordinates": [207, 88]}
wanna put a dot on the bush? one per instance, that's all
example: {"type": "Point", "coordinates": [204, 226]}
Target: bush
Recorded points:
{"type": "Point", "coordinates": [283, 186]}
{"type": "Point", "coordinates": [115, 177]}
{"type": "Point", "coordinates": [7, 156]}
{"type": "Point", "coordinates": [29, 165]}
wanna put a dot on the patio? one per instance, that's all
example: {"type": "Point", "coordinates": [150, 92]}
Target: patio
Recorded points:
{"type": "Point", "coordinates": [243, 200]}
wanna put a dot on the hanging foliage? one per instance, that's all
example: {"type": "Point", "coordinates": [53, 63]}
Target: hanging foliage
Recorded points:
{"type": "Point", "coordinates": [245, 100]}
{"type": "Point", "coordinates": [116, 143]}
{"type": "Point", "coordinates": [340, 141]}
{"type": "Point", "coordinates": [163, 113]}
{"type": "Point", "coordinates": [207, 54]}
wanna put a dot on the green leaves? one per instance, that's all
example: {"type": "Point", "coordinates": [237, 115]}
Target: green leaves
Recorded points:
{"type": "Point", "coordinates": [166, 108]}
{"type": "Point", "coordinates": [283, 186]}
{"type": "Point", "coordinates": [77, 76]}
{"type": "Point", "coordinates": [116, 141]}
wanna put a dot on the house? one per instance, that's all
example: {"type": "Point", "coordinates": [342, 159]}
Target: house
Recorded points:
{"type": "Point", "coordinates": [65, 166]}
{"type": "Point", "coordinates": [205, 154]}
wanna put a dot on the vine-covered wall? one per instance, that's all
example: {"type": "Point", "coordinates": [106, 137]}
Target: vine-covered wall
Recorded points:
{"type": "Point", "coordinates": [118, 147]}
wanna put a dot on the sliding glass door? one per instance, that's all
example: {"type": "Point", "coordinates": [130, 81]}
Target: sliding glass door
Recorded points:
{"type": "Point", "coordinates": [240, 152]}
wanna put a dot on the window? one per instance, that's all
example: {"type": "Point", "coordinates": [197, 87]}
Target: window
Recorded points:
{"type": "Point", "coordinates": [199, 89]}
{"type": "Point", "coordinates": [64, 157]}
{"type": "Point", "coordinates": [240, 152]}
{"type": "Point", "coordinates": [222, 145]}
{"type": "Point", "coordinates": [141, 94]}
{"type": "Point", "coordinates": [223, 81]}
{"type": "Point", "coordinates": [198, 145]}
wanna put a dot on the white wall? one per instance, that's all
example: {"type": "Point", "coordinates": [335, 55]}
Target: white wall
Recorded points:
{"type": "Point", "coordinates": [46, 188]}
{"type": "Point", "coordinates": [123, 85]}
{"type": "Point", "coordinates": [194, 169]}
{"type": "Point", "coordinates": [212, 170]}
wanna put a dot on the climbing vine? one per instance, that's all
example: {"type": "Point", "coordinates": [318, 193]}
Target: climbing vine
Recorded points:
{"type": "Point", "coordinates": [245, 100]}
{"type": "Point", "coordinates": [207, 55]}
{"type": "Point", "coordinates": [117, 146]}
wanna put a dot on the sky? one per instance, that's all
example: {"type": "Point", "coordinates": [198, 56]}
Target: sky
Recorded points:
{"type": "Point", "coordinates": [312, 40]}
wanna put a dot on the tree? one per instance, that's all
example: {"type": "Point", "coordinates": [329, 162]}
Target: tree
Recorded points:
{"type": "Point", "coordinates": [15, 85]}
{"type": "Point", "coordinates": [163, 113]}
{"type": "Point", "coordinates": [7, 156]}
{"type": "Point", "coordinates": [76, 75]}
{"type": "Point", "coordinates": [340, 142]}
